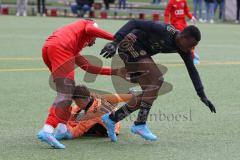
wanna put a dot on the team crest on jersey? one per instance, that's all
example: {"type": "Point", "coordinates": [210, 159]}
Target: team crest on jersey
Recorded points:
{"type": "Point", "coordinates": [171, 29]}
{"type": "Point", "coordinates": [182, 4]}
{"type": "Point", "coordinates": [143, 53]}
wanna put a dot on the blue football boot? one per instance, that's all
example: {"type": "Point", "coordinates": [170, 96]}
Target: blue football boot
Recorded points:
{"type": "Point", "coordinates": [143, 131]}
{"type": "Point", "coordinates": [49, 139]}
{"type": "Point", "coordinates": [110, 127]}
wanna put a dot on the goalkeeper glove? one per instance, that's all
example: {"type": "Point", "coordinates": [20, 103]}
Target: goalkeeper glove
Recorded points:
{"type": "Point", "coordinates": [209, 104]}
{"type": "Point", "coordinates": [109, 50]}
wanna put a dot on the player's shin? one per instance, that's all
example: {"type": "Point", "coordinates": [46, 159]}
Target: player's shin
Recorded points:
{"type": "Point", "coordinates": [143, 113]}
{"type": "Point", "coordinates": [121, 113]}
{"type": "Point", "coordinates": [126, 109]}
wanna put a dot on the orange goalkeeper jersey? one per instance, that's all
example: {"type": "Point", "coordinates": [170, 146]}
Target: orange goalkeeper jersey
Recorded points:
{"type": "Point", "coordinates": [80, 125]}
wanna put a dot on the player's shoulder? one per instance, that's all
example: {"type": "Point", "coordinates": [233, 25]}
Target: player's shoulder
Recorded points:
{"type": "Point", "coordinates": [170, 28]}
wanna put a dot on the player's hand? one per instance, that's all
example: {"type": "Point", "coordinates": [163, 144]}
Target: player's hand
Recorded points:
{"type": "Point", "coordinates": [194, 20]}
{"type": "Point", "coordinates": [209, 104]}
{"type": "Point", "coordinates": [109, 50]}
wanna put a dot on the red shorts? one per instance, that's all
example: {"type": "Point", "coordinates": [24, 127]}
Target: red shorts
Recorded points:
{"type": "Point", "coordinates": [60, 62]}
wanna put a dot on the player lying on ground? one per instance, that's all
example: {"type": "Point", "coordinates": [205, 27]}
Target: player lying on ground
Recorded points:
{"type": "Point", "coordinates": [136, 42]}
{"type": "Point", "coordinates": [60, 53]}
{"type": "Point", "coordinates": [89, 122]}
{"type": "Point", "coordinates": [176, 10]}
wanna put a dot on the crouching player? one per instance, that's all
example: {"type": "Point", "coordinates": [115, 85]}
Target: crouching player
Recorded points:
{"type": "Point", "coordinates": [89, 122]}
{"type": "Point", "coordinates": [61, 51]}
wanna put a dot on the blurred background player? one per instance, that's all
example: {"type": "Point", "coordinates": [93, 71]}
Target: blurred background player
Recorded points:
{"type": "Point", "coordinates": [176, 11]}
{"type": "Point", "coordinates": [197, 10]}
{"type": "Point", "coordinates": [22, 7]}
{"type": "Point", "coordinates": [89, 122]}
{"type": "Point", "coordinates": [60, 53]}
{"type": "Point", "coordinates": [209, 16]}
{"type": "Point", "coordinates": [219, 4]}
{"type": "Point", "coordinates": [238, 11]}
{"type": "Point", "coordinates": [81, 7]}
{"type": "Point", "coordinates": [41, 7]}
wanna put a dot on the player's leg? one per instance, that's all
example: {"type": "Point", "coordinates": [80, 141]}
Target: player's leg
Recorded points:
{"type": "Point", "coordinates": [81, 97]}
{"type": "Point", "coordinates": [63, 75]}
{"type": "Point", "coordinates": [150, 81]}
{"type": "Point", "coordinates": [195, 7]}
{"type": "Point", "coordinates": [58, 113]}
{"type": "Point", "coordinates": [238, 11]}
{"type": "Point", "coordinates": [140, 65]}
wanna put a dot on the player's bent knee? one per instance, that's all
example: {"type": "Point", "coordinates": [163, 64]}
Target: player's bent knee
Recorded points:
{"type": "Point", "coordinates": [63, 100]}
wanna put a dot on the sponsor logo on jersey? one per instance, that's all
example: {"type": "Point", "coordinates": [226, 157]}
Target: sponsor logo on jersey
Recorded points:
{"type": "Point", "coordinates": [179, 12]}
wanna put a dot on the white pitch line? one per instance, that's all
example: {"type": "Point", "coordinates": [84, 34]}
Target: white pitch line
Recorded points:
{"type": "Point", "coordinates": [20, 58]}
{"type": "Point", "coordinates": [22, 69]}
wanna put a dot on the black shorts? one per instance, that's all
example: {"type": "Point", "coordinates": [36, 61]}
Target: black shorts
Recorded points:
{"type": "Point", "coordinates": [131, 49]}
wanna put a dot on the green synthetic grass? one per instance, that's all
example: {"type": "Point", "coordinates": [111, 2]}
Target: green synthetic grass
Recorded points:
{"type": "Point", "coordinates": [25, 97]}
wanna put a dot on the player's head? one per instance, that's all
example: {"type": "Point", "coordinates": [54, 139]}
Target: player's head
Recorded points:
{"type": "Point", "coordinates": [189, 38]}
{"type": "Point", "coordinates": [93, 39]}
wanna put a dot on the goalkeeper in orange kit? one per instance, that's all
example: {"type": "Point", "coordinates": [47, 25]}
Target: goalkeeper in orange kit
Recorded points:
{"type": "Point", "coordinates": [86, 115]}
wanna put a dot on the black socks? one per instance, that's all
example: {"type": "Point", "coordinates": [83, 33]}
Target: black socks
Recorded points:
{"type": "Point", "coordinates": [121, 113]}
{"type": "Point", "coordinates": [124, 111]}
{"type": "Point", "coordinates": [143, 113]}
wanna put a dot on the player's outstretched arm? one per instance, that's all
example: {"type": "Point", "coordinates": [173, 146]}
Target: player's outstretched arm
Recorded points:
{"type": "Point", "coordinates": [83, 63]}
{"type": "Point", "coordinates": [193, 73]}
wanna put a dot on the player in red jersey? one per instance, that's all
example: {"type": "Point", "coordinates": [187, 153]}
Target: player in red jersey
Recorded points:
{"type": "Point", "coordinates": [177, 10]}
{"type": "Point", "coordinates": [60, 53]}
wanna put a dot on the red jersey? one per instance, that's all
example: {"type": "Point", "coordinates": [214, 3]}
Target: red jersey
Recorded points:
{"type": "Point", "coordinates": [177, 10]}
{"type": "Point", "coordinates": [63, 46]}
{"type": "Point", "coordinates": [75, 36]}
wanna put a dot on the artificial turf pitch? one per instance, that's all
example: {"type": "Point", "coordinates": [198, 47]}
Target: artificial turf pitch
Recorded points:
{"type": "Point", "coordinates": [196, 134]}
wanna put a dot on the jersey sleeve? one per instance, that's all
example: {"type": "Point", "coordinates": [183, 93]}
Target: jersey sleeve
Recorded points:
{"type": "Point", "coordinates": [97, 32]}
{"type": "Point", "coordinates": [83, 63]}
{"type": "Point", "coordinates": [168, 11]}
{"type": "Point", "coordinates": [193, 73]}
{"type": "Point", "coordinates": [187, 11]}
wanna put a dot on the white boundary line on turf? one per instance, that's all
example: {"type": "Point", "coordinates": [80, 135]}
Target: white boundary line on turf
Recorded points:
{"type": "Point", "coordinates": [20, 58]}
{"type": "Point", "coordinates": [22, 69]}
